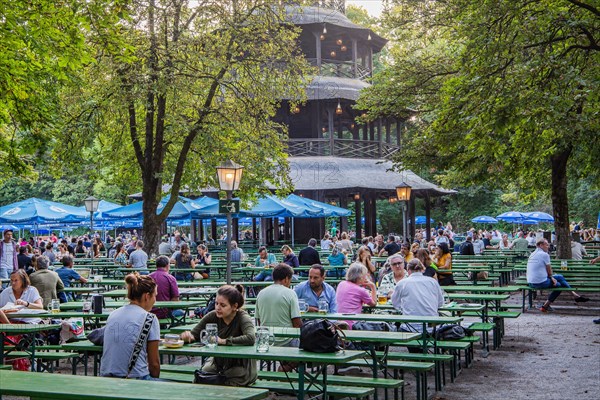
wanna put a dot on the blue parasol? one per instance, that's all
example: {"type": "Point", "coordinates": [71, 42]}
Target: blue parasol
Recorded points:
{"type": "Point", "coordinates": [484, 219]}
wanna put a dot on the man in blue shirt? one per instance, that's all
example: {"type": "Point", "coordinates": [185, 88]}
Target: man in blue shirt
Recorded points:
{"type": "Point", "coordinates": [316, 289]}
{"type": "Point", "coordinates": [66, 273]}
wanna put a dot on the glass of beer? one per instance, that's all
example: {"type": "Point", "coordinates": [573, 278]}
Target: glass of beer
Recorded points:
{"type": "Point", "coordinates": [382, 298]}
{"type": "Point", "coordinates": [55, 306]}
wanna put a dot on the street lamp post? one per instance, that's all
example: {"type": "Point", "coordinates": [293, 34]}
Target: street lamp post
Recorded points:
{"type": "Point", "coordinates": [403, 192]}
{"type": "Point", "coordinates": [91, 206]}
{"type": "Point", "coordinates": [230, 175]}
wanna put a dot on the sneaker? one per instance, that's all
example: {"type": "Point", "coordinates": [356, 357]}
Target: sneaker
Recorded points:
{"type": "Point", "coordinates": [581, 299]}
{"type": "Point", "coordinates": [546, 309]}
{"type": "Point", "coordinates": [597, 321]}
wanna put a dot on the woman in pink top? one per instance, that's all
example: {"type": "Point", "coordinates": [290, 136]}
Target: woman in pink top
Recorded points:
{"type": "Point", "coordinates": [352, 293]}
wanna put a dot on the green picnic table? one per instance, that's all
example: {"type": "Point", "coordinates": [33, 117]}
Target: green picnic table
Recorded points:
{"type": "Point", "coordinates": [61, 387]}
{"type": "Point", "coordinates": [320, 361]}
{"type": "Point", "coordinates": [21, 329]}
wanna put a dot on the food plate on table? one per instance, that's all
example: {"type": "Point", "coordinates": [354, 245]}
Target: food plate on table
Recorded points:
{"type": "Point", "coordinates": [173, 345]}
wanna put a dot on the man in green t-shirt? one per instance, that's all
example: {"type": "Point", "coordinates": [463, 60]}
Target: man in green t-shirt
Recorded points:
{"type": "Point", "coordinates": [277, 304]}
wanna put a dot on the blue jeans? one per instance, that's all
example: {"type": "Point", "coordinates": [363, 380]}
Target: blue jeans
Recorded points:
{"type": "Point", "coordinates": [4, 275]}
{"type": "Point", "coordinates": [264, 275]}
{"type": "Point", "coordinates": [547, 284]}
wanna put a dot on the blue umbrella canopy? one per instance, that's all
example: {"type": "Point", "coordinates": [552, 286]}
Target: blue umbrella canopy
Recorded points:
{"type": "Point", "coordinates": [36, 211]}
{"type": "Point", "coordinates": [484, 219]}
{"type": "Point", "coordinates": [327, 210]}
{"type": "Point", "coordinates": [539, 216]}
{"type": "Point", "coordinates": [8, 227]}
{"type": "Point", "coordinates": [135, 210]}
{"type": "Point", "coordinates": [511, 216]}
{"type": "Point", "coordinates": [421, 220]}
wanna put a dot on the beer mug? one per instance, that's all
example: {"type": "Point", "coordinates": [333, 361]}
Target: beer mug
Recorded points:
{"type": "Point", "coordinates": [55, 306]}
{"type": "Point", "coordinates": [303, 305]}
{"type": "Point", "coordinates": [382, 298]}
{"type": "Point", "coordinates": [264, 339]}
{"type": "Point", "coordinates": [323, 306]}
{"type": "Point", "coordinates": [210, 335]}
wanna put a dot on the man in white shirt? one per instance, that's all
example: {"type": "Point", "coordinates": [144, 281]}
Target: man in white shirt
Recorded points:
{"type": "Point", "coordinates": [540, 276]}
{"type": "Point", "coordinates": [577, 250]}
{"type": "Point", "coordinates": [417, 295]}
{"type": "Point", "coordinates": [8, 255]}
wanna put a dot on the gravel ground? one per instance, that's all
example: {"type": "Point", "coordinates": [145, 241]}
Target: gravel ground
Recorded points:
{"type": "Point", "coordinates": [543, 356]}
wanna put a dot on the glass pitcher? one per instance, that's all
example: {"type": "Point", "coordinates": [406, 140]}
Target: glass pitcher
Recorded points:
{"type": "Point", "coordinates": [264, 339]}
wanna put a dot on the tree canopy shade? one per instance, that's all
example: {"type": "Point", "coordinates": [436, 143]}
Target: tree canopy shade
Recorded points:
{"type": "Point", "coordinates": [497, 91]}
{"type": "Point", "coordinates": [179, 87]}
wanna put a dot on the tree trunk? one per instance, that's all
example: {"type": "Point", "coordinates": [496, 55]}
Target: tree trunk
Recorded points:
{"type": "Point", "coordinates": [152, 222]}
{"type": "Point", "coordinates": [560, 203]}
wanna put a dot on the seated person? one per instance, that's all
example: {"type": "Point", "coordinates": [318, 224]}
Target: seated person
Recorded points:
{"type": "Point", "coordinates": [443, 260]}
{"type": "Point", "coordinates": [417, 295]}
{"type": "Point", "coordinates": [47, 282]}
{"type": "Point", "coordinates": [316, 289]}
{"type": "Point", "coordinates": [203, 258]}
{"type": "Point", "coordinates": [264, 261]}
{"type": "Point", "coordinates": [124, 326]}
{"type": "Point", "coordinates": [391, 279]}
{"type": "Point", "coordinates": [337, 258]}
{"type": "Point", "coordinates": [66, 274]}
{"type": "Point", "coordinates": [166, 287]}
{"type": "Point", "coordinates": [355, 291]}
{"type": "Point", "coordinates": [22, 294]}
{"type": "Point", "coordinates": [184, 260]}
{"type": "Point", "coordinates": [235, 327]}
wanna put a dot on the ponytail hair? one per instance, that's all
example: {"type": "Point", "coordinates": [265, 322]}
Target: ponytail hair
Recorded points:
{"type": "Point", "coordinates": [233, 294]}
{"type": "Point", "coordinates": [138, 284]}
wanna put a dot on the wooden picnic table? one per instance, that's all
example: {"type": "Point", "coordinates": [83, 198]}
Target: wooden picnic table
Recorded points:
{"type": "Point", "coordinates": [21, 329]}
{"type": "Point", "coordinates": [66, 387]}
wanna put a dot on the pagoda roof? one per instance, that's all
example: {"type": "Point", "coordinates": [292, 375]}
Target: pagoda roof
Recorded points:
{"type": "Point", "coordinates": [306, 16]}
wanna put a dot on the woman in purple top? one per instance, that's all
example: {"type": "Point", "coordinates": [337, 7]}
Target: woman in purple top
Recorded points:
{"type": "Point", "coordinates": [355, 291]}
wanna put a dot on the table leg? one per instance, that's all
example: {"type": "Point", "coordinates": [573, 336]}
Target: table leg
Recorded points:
{"type": "Point", "coordinates": [301, 371]}
{"type": "Point", "coordinates": [1, 348]}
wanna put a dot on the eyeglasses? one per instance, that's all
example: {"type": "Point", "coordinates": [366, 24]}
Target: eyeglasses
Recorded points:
{"type": "Point", "coordinates": [397, 264]}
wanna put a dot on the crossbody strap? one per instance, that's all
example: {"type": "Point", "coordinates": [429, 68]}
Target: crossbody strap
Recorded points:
{"type": "Point", "coordinates": [139, 345]}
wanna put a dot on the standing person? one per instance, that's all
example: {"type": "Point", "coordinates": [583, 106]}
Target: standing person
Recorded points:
{"type": "Point", "coordinates": [139, 259]}
{"type": "Point", "coordinates": [166, 286]}
{"type": "Point", "coordinates": [417, 295]}
{"type": "Point", "coordinates": [355, 291]}
{"type": "Point", "coordinates": [316, 289]}
{"type": "Point", "coordinates": [123, 329]}
{"type": "Point", "coordinates": [47, 282]}
{"type": "Point", "coordinates": [309, 255]}
{"type": "Point", "coordinates": [234, 327]}
{"type": "Point", "coordinates": [540, 276]}
{"type": "Point", "coordinates": [66, 274]}
{"type": "Point", "coordinates": [264, 261]}
{"type": "Point", "coordinates": [443, 260]}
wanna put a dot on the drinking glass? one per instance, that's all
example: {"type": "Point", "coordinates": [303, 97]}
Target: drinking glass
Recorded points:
{"type": "Point", "coordinates": [323, 307]}
{"type": "Point", "coordinates": [303, 305]}
{"type": "Point", "coordinates": [264, 339]}
{"type": "Point", "coordinates": [210, 335]}
{"type": "Point", "coordinates": [55, 306]}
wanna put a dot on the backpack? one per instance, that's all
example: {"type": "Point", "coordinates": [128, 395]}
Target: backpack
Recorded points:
{"type": "Point", "coordinates": [450, 332]}
{"type": "Point", "coordinates": [200, 312]}
{"type": "Point", "coordinates": [321, 336]}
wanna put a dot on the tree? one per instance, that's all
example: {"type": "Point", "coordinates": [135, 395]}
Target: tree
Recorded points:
{"type": "Point", "coordinates": [181, 86]}
{"type": "Point", "coordinates": [41, 49]}
{"type": "Point", "coordinates": [497, 91]}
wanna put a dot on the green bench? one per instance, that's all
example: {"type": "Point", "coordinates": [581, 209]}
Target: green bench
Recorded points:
{"type": "Point", "coordinates": [332, 390]}
{"type": "Point", "coordinates": [44, 359]}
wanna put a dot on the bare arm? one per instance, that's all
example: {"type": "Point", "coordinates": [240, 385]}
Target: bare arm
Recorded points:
{"type": "Point", "coordinates": [296, 322]}
{"type": "Point", "coordinates": [153, 358]}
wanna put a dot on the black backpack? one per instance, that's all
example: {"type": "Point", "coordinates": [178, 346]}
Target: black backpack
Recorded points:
{"type": "Point", "coordinates": [321, 336]}
{"type": "Point", "coordinates": [450, 332]}
{"type": "Point", "coordinates": [200, 312]}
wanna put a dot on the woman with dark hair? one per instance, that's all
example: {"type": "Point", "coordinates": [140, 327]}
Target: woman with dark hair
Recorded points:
{"type": "Point", "coordinates": [430, 267]}
{"type": "Point", "coordinates": [364, 257]}
{"type": "Point", "coordinates": [120, 254]}
{"type": "Point", "coordinates": [80, 250]}
{"type": "Point", "coordinates": [443, 260]}
{"type": "Point", "coordinates": [203, 258]}
{"type": "Point", "coordinates": [184, 260]}
{"type": "Point", "coordinates": [123, 329]}
{"type": "Point", "coordinates": [234, 327]}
